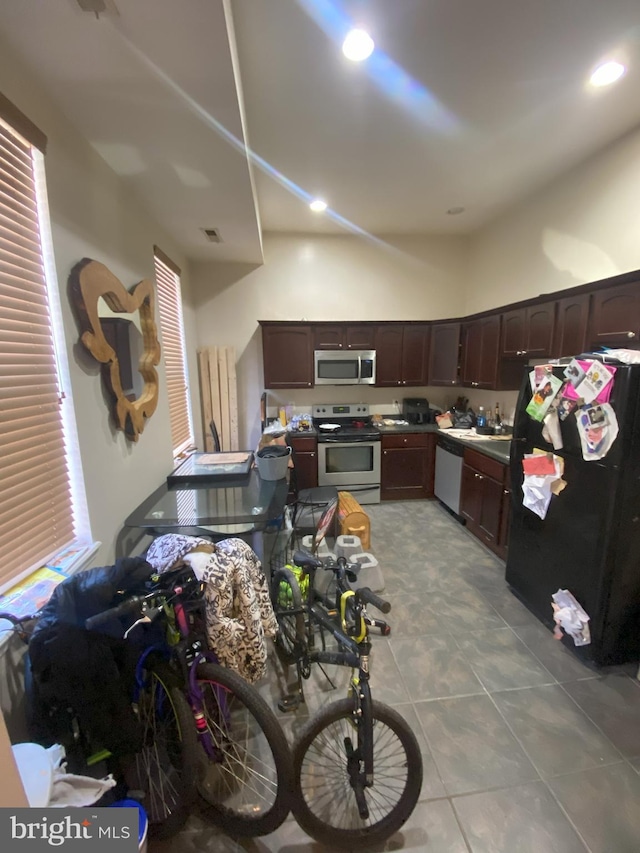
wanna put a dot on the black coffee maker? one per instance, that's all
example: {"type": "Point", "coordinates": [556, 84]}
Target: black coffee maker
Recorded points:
{"type": "Point", "coordinates": [416, 410]}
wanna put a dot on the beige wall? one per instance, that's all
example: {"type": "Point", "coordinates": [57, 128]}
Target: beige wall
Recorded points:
{"type": "Point", "coordinates": [322, 278]}
{"type": "Point", "coordinates": [93, 216]}
{"type": "Point", "coordinates": [583, 227]}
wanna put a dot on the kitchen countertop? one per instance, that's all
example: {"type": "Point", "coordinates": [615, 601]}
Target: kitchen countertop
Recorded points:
{"type": "Point", "coordinates": [498, 449]}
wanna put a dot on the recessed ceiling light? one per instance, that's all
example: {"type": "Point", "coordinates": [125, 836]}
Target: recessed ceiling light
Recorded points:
{"type": "Point", "coordinates": [318, 206]}
{"type": "Point", "coordinates": [358, 45]}
{"type": "Point", "coordinates": [607, 73]}
{"type": "Point", "coordinates": [454, 211]}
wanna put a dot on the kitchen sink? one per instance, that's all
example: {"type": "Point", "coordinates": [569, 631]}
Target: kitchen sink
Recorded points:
{"type": "Point", "coordinates": [502, 448]}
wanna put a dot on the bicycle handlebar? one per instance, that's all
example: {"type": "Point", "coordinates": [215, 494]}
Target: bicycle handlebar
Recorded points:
{"type": "Point", "coordinates": [129, 606]}
{"type": "Point", "coordinates": [368, 597]}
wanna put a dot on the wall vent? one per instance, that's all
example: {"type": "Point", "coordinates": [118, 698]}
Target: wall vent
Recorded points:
{"type": "Point", "coordinates": [98, 7]}
{"type": "Point", "coordinates": [212, 234]}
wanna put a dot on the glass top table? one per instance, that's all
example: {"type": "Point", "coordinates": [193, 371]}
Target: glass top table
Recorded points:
{"type": "Point", "coordinates": [244, 500]}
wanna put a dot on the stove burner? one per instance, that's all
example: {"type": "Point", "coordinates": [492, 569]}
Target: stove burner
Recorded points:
{"type": "Point", "coordinates": [358, 428]}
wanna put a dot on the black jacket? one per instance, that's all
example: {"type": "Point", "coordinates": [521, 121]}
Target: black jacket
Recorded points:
{"type": "Point", "coordinates": [91, 672]}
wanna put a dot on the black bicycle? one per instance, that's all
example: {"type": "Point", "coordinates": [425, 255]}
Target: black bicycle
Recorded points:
{"type": "Point", "coordinates": [357, 764]}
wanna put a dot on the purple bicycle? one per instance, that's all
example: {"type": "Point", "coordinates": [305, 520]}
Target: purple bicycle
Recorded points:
{"type": "Point", "coordinates": [221, 734]}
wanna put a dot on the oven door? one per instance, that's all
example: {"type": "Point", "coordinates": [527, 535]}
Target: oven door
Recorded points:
{"type": "Point", "coordinates": [348, 463]}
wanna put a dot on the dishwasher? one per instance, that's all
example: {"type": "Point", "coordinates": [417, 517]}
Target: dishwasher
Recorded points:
{"type": "Point", "coordinates": [448, 475]}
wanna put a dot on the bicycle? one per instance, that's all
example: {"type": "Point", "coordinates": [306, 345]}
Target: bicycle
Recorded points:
{"type": "Point", "coordinates": [241, 763]}
{"type": "Point", "coordinates": [202, 729]}
{"type": "Point", "coordinates": [357, 764]}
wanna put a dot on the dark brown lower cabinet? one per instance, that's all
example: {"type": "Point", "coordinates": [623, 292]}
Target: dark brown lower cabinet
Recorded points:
{"type": "Point", "coordinates": [505, 518]}
{"type": "Point", "coordinates": [305, 459]}
{"type": "Point", "coordinates": [407, 466]}
{"type": "Point", "coordinates": [483, 499]}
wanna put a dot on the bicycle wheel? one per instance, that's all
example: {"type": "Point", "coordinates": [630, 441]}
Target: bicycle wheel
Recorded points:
{"type": "Point", "coordinates": [324, 801]}
{"type": "Point", "coordinates": [247, 782]}
{"type": "Point", "coordinates": [162, 776]}
{"type": "Point", "coordinates": [291, 639]}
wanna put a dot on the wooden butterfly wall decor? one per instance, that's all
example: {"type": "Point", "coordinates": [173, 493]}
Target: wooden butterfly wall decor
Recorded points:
{"type": "Point", "coordinates": [107, 314]}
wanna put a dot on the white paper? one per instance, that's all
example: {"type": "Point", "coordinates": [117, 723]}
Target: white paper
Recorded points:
{"type": "Point", "coordinates": [570, 617]}
{"type": "Point", "coordinates": [536, 493]}
{"type": "Point", "coordinates": [551, 429]}
{"type": "Point", "coordinates": [597, 428]}
{"type": "Point", "coordinates": [537, 489]}
{"type": "Point", "coordinates": [574, 372]}
{"type": "Point", "coordinates": [595, 379]}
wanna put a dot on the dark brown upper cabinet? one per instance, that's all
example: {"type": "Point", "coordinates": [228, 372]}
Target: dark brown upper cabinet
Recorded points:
{"type": "Point", "coordinates": [444, 356]}
{"type": "Point", "coordinates": [528, 332]}
{"type": "Point", "coordinates": [572, 318]}
{"type": "Point", "coordinates": [402, 352]}
{"type": "Point", "coordinates": [344, 336]}
{"type": "Point", "coordinates": [480, 349]}
{"type": "Point", "coordinates": [615, 316]}
{"type": "Point", "coordinates": [287, 351]}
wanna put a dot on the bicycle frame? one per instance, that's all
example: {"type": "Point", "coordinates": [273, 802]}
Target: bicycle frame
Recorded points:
{"type": "Point", "coordinates": [353, 640]}
{"type": "Point", "coordinates": [190, 652]}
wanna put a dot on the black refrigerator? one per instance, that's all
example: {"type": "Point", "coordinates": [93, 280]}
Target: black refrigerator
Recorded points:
{"type": "Point", "coordinates": [589, 541]}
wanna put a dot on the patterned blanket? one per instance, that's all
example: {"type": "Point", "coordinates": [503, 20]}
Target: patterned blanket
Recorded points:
{"type": "Point", "coordinates": [239, 614]}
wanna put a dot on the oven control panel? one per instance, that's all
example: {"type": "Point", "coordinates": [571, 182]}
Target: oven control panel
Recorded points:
{"type": "Point", "coordinates": [340, 410]}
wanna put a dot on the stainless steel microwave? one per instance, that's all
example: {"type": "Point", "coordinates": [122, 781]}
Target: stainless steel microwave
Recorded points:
{"type": "Point", "coordinates": [337, 367]}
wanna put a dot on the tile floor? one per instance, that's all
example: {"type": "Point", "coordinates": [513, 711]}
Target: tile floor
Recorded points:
{"type": "Point", "coordinates": [525, 748]}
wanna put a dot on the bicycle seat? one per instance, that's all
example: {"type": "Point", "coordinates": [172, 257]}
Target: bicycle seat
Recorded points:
{"type": "Point", "coordinates": [306, 560]}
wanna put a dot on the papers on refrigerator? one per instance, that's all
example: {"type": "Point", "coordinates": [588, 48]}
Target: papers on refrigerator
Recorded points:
{"type": "Point", "coordinates": [543, 396]}
{"type": "Point", "coordinates": [542, 479]}
{"type": "Point", "coordinates": [588, 381]}
{"type": "Point", "coordinates": [598, 429]}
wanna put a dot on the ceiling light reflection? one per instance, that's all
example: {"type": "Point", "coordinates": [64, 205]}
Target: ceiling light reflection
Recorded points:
{"type": "Point", "coordinates": [318, 206]}
{"type": "Point", "coordinates": [358, 45]}
{"type": "Point", "coordinates": [390, 77]}
{"type": "Point", "coordinates": [607, 73]}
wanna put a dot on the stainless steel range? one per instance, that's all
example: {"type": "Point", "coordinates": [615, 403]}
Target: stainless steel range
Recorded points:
{"type": "Point", "coordinates": [348, 450]}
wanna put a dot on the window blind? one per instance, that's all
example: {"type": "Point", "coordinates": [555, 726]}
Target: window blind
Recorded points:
{"type": "Point", "coordinates": [173, 350]}
{"type": "Point", "coordinates": [36, 510]}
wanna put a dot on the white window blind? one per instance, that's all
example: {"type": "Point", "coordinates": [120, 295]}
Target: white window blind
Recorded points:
{"type": "Point", "coordinates": [173, 350]}
{"type": "Point", "coordinates": [36, 506]}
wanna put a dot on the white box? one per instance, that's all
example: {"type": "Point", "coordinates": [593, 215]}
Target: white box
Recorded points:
{"type": "Point", "coordinates": [368, 572]}
{"type": "Point", "coordinates": [347, 545]}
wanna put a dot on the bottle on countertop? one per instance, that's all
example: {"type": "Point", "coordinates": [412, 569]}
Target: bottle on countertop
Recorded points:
{"type": "Point", "coordinates": [481, 419]}
{"type": "Point", "coordinates": [497, 420]}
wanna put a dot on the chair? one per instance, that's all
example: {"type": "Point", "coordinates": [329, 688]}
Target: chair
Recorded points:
{"type": "Point", "coordinates": [215, 436]}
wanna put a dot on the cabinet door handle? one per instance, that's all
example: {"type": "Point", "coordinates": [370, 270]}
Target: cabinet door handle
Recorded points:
{"type": "Point", "coordinates": [631, 334]}
{"type": "Point", "coordinates": [384, 452]}
{"type": "Point", "coordinates": [506, 492]}
{"type": "Point", "coordinates": [312, 455]}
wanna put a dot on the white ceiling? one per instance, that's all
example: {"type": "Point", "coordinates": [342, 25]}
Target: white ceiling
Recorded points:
{"type": "Point", "coordinates": [463, 103]}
